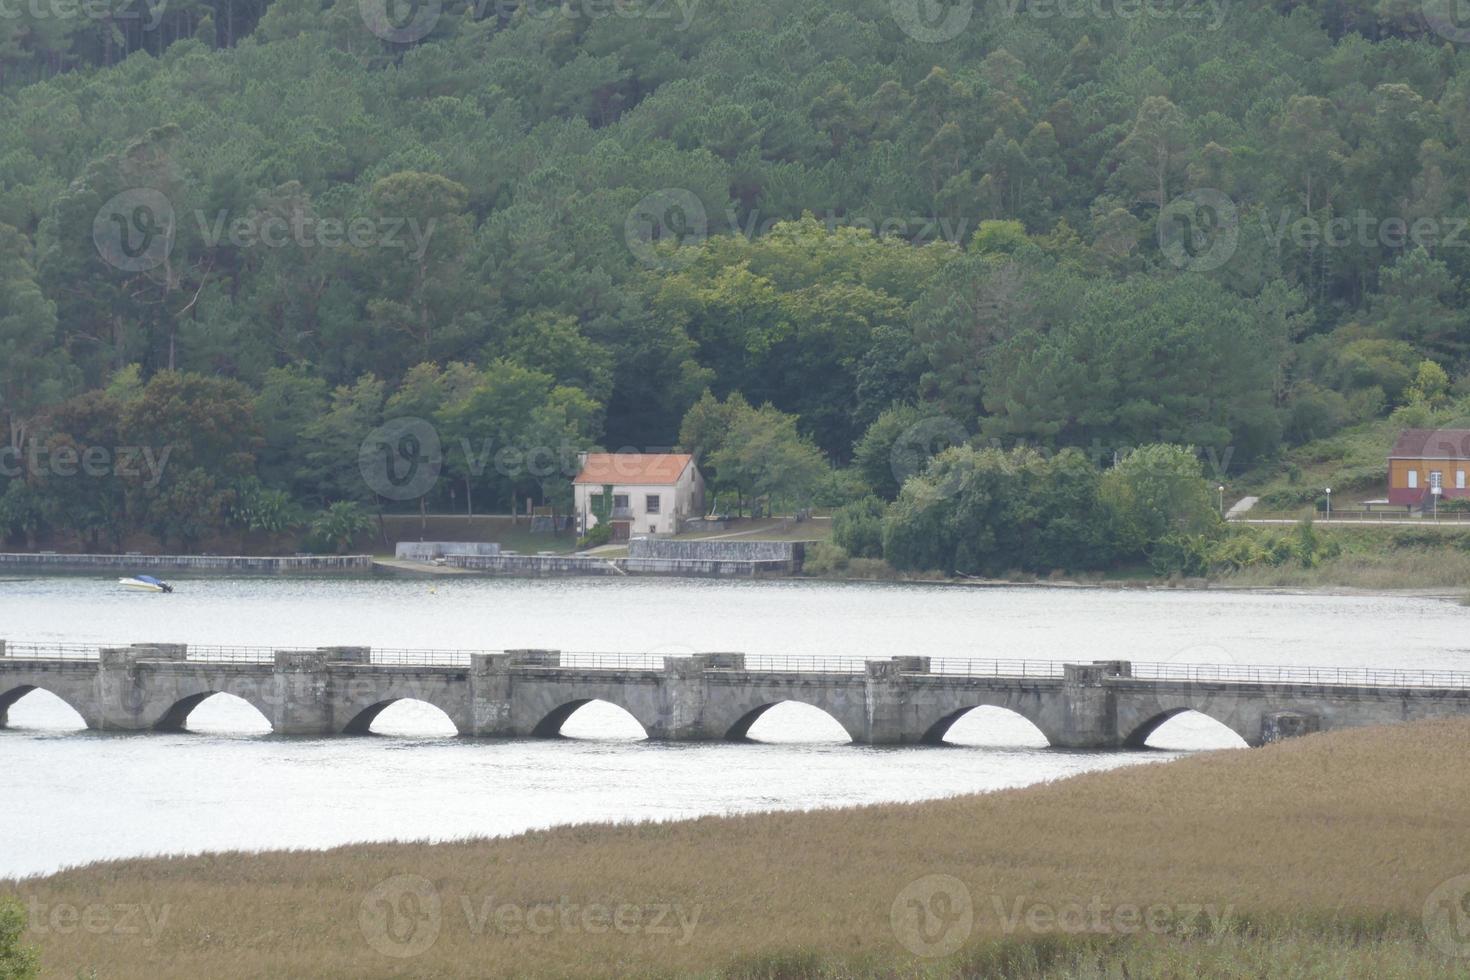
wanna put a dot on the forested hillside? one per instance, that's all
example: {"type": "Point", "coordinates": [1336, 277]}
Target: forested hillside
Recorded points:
{"type": "Point", "coordinates": [252, 232]}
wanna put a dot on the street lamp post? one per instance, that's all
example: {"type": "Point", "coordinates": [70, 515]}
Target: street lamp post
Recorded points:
{"type": "Point", "coordinates": [1329, 504]}
{"type": "Point", "coordinates": [1221, 488]}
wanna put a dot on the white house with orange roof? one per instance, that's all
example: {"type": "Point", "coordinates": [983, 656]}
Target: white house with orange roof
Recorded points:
{"type": "Point", "coordinates": [652, 493]}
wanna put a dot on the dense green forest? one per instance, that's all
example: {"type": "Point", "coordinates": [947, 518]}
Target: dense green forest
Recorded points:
{"type": "Point", "coordinates": [248, 233]}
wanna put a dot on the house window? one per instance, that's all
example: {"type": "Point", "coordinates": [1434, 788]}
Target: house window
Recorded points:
{"type": "Point", "coordinates": [1436, 478]}
{"type": "Point", "coordinates": [651, 503]}
{"type": "Point", "coordinates": [1459, 479]}
{"type": "Point", "coordinates": [1413, 479]}
{"type": "Point", "coordinates": [620, 501]}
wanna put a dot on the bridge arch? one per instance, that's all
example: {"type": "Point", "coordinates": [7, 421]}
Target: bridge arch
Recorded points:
{"type": "Point", "coordinates": [739, 730]}
{"type": "Point", "coordinates": [936, 733]}
{"type": "Point", "coordinates": [550, 725]}
{"type": "Point", "coordinates": [176, 717]}
{"type": "Point", "coordinates": [10, 697]}
{"type": "Point", "coordinates": [1137, 737]}
{"type": "Point", "coordinates": [362, 722]}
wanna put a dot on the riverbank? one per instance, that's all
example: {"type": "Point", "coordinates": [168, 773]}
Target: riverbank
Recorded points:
{"type": "Point", "coordinates": [1273, 861]}
{"type": "Point", "coordinates": [1353, 559]}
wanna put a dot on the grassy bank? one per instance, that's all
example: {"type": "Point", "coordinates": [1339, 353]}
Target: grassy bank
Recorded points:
{"type": "Point", "coordinates": [1314, 857]}
{"type": "Point", "coordinates": [1382, 558]}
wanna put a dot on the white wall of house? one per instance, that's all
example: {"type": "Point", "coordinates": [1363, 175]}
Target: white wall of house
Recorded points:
{"type": "Point", "coordinates": [653, 508]}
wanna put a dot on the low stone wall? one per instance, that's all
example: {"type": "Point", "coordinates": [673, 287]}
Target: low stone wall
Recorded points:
{"type": "Point", "coordinates": [725, 549]}
{"type": "Point", "coordinates": [238, 564]}
{"type": "Point", "coordinates": [542, 566]}
{"type": "Point", "coordinates": [533, 566]}
{"type": "Point", "coordinates": [429, 550]}
{"type": "Point", "coordinates": [710, 567]}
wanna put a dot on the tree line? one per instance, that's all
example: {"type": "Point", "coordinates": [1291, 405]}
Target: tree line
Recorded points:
{"type": "Point", "coordinates": [259, 231]}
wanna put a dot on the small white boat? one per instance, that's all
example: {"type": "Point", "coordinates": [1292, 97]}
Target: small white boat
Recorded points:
{"type": "Point", "coordinates": [145, 583]}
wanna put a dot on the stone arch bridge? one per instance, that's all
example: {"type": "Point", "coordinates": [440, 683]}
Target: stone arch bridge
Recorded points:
{"type": "Point", "coordinates": [902, 700]}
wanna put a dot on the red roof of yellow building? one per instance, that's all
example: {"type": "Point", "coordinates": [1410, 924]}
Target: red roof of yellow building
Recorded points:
{"type": "Point", "coordinates": [640, 469]}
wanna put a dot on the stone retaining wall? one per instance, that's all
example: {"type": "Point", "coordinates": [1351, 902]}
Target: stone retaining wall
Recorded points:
{"type": "Point", "coordinates": [711, 567]}
{"type": "Point", "coordinates": [541, 566]}
{"type": "Point", "coordinates": [724, 549]}
{"type": "Point", "coordinates": [239, 564]}
{"type": "Point", "coordinates": [429, 550]}
{"type": "Point", "coordinates": [534, 566]}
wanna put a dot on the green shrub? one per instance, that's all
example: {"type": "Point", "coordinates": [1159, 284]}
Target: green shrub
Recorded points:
{"type": "Point", "coordinates": [17, 962]}
{"type": "Point", "coordinates": [338, 525]}
{"type": "Point", "coordinates": [824, 558]}
{"type": "Point", "coordinates": [858, 528]}
{"type": "Point", "coordinates": [598, 535]}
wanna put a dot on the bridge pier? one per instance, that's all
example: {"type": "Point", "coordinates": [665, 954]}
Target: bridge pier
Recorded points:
{"type": "Point", "coordinates": [886, 699]}
{"type": "Point", "coordinates": [1089, 706]}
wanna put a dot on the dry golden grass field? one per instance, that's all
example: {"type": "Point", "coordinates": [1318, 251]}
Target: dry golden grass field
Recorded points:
{"type": "Point", "coordinates": [1331, 855]}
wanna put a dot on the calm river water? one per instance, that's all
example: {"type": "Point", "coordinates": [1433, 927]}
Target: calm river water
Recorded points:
{"type": "Point", "coordinates": [72, 797]}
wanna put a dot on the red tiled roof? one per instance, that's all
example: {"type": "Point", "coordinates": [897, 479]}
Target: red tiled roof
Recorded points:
{"type": "Point", "coordinates": [639, 469]}
{"type": "Point", "coordinates": [1432, 444]}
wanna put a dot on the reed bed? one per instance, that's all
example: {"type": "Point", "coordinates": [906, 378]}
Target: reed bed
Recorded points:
{"type": "Point", "coordinates": [1314, 857]}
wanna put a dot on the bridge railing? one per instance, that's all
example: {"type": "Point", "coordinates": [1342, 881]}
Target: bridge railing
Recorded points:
{"type": "Point", "coordinates": [783, 663]}
{"type": "Point", "coordinates": [1268, 674]}
{"type": "Point", "coordinates": [51, 651]}
{"type": "Point", "coordinates": [996, 668]}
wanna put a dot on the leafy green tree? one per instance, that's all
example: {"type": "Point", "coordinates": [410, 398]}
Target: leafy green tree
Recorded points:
{"type": "Point", "coordinates": [768, 460]}
{"type": "Point", "coordinates": [290, 399]}
{"type": "Point", "coordinates": [342, 523]}
{"type": "Point", "coordinates": [1431, 385]}
{"type": "Point", "coordinates": [34, 371]}
{"type": "Point", "coordinates": [17, 961]}
{"type": "Point", "coordinates": [87, 479]}
{"type": "Point", "coordinates": [984, 511]}
{"type": "Point", "coordinates": [899, 442]}
{"type": "Point", "coordinates": [264, 510]}
{"type": "Point", "coordinates": [1156, 492]}
{"type": "Point", "coordinates": [202, 437]}
{"type": "Point", "coordinates": [857, 528]}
